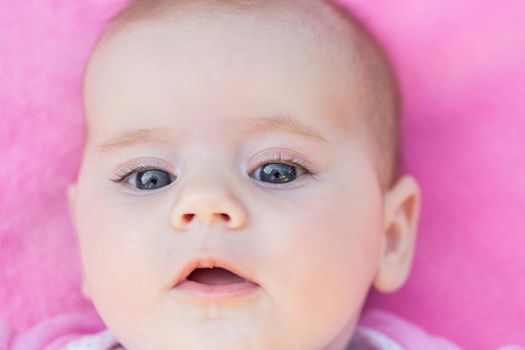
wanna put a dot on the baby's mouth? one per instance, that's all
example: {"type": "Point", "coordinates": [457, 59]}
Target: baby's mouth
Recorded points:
{"type": "Point", "coordinates": [215, 279]}
{"type": "Point", "coordinates": [214, 276]}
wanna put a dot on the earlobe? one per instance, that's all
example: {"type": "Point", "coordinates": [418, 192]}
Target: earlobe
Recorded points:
{"type": "Point", "coordinates": [71, 195]}
{"type": "Point", "coordinates": [401, 207]}
{"type": "Point", "coordinates": [71, 198]}
{"type": "Point", "coordinates": [85, 289]}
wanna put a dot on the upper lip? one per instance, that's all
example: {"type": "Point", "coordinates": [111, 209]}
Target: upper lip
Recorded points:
{"type": "Point", "coordinates": [210, 262]}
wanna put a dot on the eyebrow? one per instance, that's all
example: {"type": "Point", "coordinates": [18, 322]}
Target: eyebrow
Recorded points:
{"type": "Point", "coordinates": [258, 126]}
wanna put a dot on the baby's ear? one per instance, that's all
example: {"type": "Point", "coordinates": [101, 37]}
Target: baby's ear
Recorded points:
{"type": "Point", "coordinates": [71, 195]}
{"type": "Point", "coordinates": [85, 289]}
{"type": "Point", "coordinates": [71, 198]}
{"type": "Point", "coordinates": [401, 207]}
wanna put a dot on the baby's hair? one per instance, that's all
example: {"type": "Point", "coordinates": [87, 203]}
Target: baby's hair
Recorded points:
{"type": "Point", "coordinates": [381, 89]}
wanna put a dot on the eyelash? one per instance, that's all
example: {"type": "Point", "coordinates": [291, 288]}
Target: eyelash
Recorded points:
{"type": "Point", "coordinates": [308, 169]}
{"type": "Point", "coordinates": [121, 176]}
{"type": "Point", "coordinates": [133, 168]}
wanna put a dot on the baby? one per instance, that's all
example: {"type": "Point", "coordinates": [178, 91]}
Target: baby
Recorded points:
{"type": "Point", "coordinates": [238, 187]}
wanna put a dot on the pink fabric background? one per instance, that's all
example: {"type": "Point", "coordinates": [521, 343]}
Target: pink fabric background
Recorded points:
{"type": "Point", "coordinates": [461, 65]}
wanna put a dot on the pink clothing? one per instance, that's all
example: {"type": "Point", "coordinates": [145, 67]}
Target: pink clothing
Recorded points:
{"type": "Point", "coordinates": [51, 334]}
{"type": "Point", "coordinates": [377, 330]}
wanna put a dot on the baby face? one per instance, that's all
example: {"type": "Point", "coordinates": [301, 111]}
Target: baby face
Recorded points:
{"type": "Point", "coordinates": [220, 142]}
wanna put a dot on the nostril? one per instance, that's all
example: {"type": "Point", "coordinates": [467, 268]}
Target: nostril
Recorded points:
{"type": "Point", "coordinates": [188, 217]}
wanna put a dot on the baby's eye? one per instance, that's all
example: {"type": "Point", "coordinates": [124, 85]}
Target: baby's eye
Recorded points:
{"type": "Point", "coordinates": [278, 173]}
{"type": "Point", "coordinates": [153, 179]}
{"type": "Point", "coordinates": [150, 179]}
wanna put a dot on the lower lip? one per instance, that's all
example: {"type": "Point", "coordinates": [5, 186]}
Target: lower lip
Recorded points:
{"type": "Point", "coordinates": [196, 289]}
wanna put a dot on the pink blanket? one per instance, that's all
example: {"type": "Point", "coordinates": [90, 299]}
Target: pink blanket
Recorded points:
{"type": "Point", "coordinates": [461, 68]}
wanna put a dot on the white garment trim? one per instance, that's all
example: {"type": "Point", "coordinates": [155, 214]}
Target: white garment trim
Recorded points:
{"type": "Point", "coordinates": [365, 338]}
{"type": "Point", "coordinates": [99, 341]}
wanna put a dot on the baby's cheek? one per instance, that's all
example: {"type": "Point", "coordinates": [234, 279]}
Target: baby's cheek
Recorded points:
{"type": "Point", "coordinates": [114, 266]}
{"type": "Point", "coordinates": [118, 291]}
{"type": "Point", "coordinates": [315, 266]}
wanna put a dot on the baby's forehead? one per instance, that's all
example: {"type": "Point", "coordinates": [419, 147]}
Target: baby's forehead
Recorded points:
{"type": "Point", "coordinates": [258, 39]}
{"type": "Point", "coordinates": [313, 23]}
{"type": "Point", "coordinates": [292, 33]}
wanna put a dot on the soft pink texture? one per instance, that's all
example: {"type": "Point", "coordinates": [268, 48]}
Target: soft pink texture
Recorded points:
{"type": "Point", "coordinates": [461, 68]}
{"type": "Point", "coordinates": [56, 332]}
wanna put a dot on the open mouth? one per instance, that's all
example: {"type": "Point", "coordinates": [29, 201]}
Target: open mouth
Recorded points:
{"type": "Point", "coordinates": [214, 276]}
{"type": "Point", "coordinates": [214, 279]}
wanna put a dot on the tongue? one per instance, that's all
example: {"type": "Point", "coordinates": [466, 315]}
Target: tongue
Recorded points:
{"type": "Point", "coordinates": [214, 276]}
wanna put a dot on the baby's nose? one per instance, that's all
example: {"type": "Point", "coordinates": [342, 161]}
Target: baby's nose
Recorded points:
{"type": "Point", "coordinates": [208, 204]}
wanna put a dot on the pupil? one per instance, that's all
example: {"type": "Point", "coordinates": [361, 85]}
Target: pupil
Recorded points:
{"type": "Point", "coordinates": [152, 179]}
{"type": "Point", "coordinates": [278, 172]}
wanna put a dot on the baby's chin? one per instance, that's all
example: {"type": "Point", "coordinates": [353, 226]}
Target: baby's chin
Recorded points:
{"type": "Point", "coordinates": [257, 333]}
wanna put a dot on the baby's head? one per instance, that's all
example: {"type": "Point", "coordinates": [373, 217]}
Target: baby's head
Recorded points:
{"type": "Point", "coordinates": [255, 137]}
